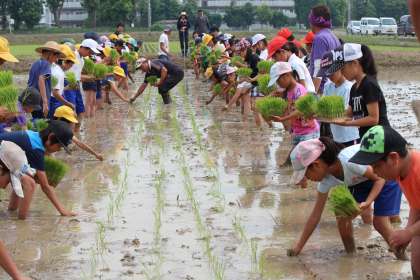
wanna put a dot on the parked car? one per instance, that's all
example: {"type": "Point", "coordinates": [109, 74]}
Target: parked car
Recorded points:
{"type": "Point", "coordinates": [353, 27]}
{"type": "Point", "coordinates": [369, 25]}
{"type": "Point", "coordinates": [405, 26]}
{"type": "Point", "coordinates": [388, 26]}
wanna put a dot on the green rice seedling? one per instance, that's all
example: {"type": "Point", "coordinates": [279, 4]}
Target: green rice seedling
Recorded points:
{"type": "Point", "coordinates": [114, 56]}
{"type": "Point", "coordinates": [330, 107]}
{"type": "Point", "coordinates": [237, 59]}
{"type": "Point", "coordinates": [264, 66]}
{"type": "Point", "coordinates": [54, 81]}
{"type": "Point", "coordinates": [217, 89]}
{"type": "Point", "coordinates": [204, 51]}
{"type": "Point", "coordinates": [193, 54]}
{"type": "Point", "coordinates": [212, 59]}
{"type": "Point", "coordinates": [110, 69]}
{"type": "Point", "coordinates": [271, 106]}
{"type": "Point", "coordinates": [152, 80]}
{"type": "Point", "coordinates": [9, 97]}
{"type": "Point", "coordinates": [40, 124]}
{"type": "Point", "coordinates": [100, 70]}
{"type": "Point", "coordinates": [307, 105]}
{"type": "Point", "coordinates": [244, 72]}
{"type": "Point", "coordinates": [218, 53]}
{"type": "Point", "coordinates": [263, 87]}
{"type": "Point", "coordinates": [55, 170]}
{"type": "Point", "coordinates": [89, 66]}
{"type": "Point", "coordinates": [342, 203]}
{"type": "Point", "coordinates": [6, 78]}
{"type": "Point", "coordinates": [71, 79]}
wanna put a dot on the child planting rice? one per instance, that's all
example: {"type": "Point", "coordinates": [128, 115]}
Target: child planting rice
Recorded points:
{"type": "Point", "coordinates": [89, 86]}
{"type": "Point", "coordinates": [342, 203]}
{"type": "Point", "coordinates": [322, 160]}
{"type": "Point", "coordinates": [386, 150]}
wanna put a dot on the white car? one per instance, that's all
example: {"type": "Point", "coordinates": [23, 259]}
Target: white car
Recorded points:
{"type": "Point", "coordinates": [369, 25]}
{"type": "Point", "coordinates": [353, 27]}
{"type": "Point", "coordinates": [388, 26]}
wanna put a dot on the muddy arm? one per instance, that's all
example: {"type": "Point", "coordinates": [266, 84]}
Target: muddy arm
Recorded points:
{"type": "Point", "coordinates": [87, 148]}
{"type": "Point", "coordinates": [60, 98]}
{"type": "Point", "coordinates": [370, 120]}
{"type": "Point", "coordinates": [115, 90]}
{"type": "Point", "coordinates": [376, 189]}
{"type": "Point", "coordinates": [50, 193]}
{"type": "Point", "coordinates": [139, 92]}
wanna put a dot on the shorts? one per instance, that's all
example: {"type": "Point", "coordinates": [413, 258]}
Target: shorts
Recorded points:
{"type": "Point", "coordinates": [98, 90]}
{"type": "Point", "coordinates": [350, 143]}
{"type": "Point", "coordinates": [89, 86]}
{"type": "Point", "coordinates": [124, 66]}
{"type": "Point", "coordinates": [296, 139]}
{"type": "Point", "coordinates": [163, 57]}
{"type": "Point", "coordinates": [245, 85]}
{"type": "Point", "coordinates": [255, 93]}
{"type": "Point", "coordinates": [75, 98]}
{"type": "Point", "coordinates": [387, 203]}
{"type": "Point", "coordinates": [54, 104]}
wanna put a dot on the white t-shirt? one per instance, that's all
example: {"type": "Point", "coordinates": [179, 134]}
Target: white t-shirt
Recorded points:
{"type": "Point", "coordinates": [77, 67]}
{"type": "Point", "coordinates": [165, 40]}
{"type": "Point", "coordinates": [341, 134]}
{"type": "Point", "coordinates": [353, 173]}
{"type": "Point", "coordinates": [300, 67]}
{"type": "Point", "coordinates": [264, 55]}
{"type": "Point", "coordinates": [58, 73]}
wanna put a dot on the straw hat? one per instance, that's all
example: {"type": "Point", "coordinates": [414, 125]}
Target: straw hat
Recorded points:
{"type": "Point", "coordinates": [119, 71]}
{"type": "Point", "coordinates": [50, 46]}
{"type": "Point", "coordinates": [68, 53]}
{"type": "Point", "coordinates": [5, 51]}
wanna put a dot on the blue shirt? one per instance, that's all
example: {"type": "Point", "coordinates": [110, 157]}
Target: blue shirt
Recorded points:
{"type": "Point", "coordinates": [41, 67]}
{"type": "Point", "coordinates": [30, 142]}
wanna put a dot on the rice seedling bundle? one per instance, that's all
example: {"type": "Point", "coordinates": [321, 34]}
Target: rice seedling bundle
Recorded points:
{"type": "Point", "coordinates": [130, 57]}
{"type": "Point", "coordinates": [271, 106]}
{"type": "Point", "coordinates": [6, 78]}
{"type": "Point", "coordinates": [40, 125]}
{"type": "Point", "coordinates": [342, 203]}
{"type": "Point", "coordinates": [71, 79]}
{"type": "Point", "coordinates": [55, 170]}
{"type": "Point", "coordinates": [16, 127]}
{"type": "Point", "coordinates": [263, 87]}
{"type": "Point", "coordinates": [264, 66]}
{"type": "Point", "coordinates": [9, 97]}
{"type": "Point", "coordinates": [237, 59]}
{"type": "Point", "coordinates": [232, 91]}
{"type": "Point", "coordinates": [152, 80]}
{"type": "Point", "coordinates": [193, 54]}
{"type": "Point", "coordinates": [212, 59]}
{"type": "Point", "coordinates": [330, 107]}
{"type": "Point", "coordinates": [218, 53]}
{"type": "Point", "coordinates": [89, 66]}
{"type": "Point", "coordinates": [114, 56]}
{"type": "Point", "coordinates": [307, 105]}
{"type": "Point", "coordinates": [110, 69]}
{"type": "Point", "coordinates": [100, 71]}
{"type": "Point", "coordinates": [54, 81]}
{"type": "Point", "coordinates": [30, 125]}
{"type": "Point", "coordinates": [244, 72]}
{"type": "Point", "coordinates": [204, 51]}
{"type": "Point", "coordinates": [217, 89]}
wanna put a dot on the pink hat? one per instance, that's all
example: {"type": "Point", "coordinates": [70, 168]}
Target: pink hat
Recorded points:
{"type": "Point", "coordinates": [303, 155]}
{"type": "Point", "coordinates": [278, 69]}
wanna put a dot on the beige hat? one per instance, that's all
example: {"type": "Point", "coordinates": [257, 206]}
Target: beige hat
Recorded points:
{"type": "Point", "coordinates": [50, 46]}
{"type": "Point", "coordinates": [140, 61]}
{"type": "Point", "coordinates": [15, 160]}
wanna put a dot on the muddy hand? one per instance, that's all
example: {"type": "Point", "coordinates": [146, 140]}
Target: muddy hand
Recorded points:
{"type": "Point", "coordinates": [400, 237]}
{"type": "Point", "coordinates": [67, 213]}
{"type": "Point", "coordinates": [99, 157]}
{"type": "Point", "coordinates": [292, 252]}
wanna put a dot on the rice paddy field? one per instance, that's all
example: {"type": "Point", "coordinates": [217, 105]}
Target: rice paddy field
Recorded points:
{"type": "Point", "coordinates": [189, 192]}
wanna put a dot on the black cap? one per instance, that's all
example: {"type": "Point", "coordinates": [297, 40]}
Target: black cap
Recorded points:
{"type": "Point", "coordinates": [331, 62]}
{"type": "Point", "coordinates": [377, 143]}
{"type": "Point", "coordinates": [62, 132]}
{"type": "Point", "coordinates": [31, 97]}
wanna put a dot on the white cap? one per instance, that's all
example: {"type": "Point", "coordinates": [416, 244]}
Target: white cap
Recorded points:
{"type": "Point", "coordinates": [15, 160]}
{"type": "Point", "coordinates": [230, 70]}
{"type": "Point", "coordinates": [256, 38]}
{"type": "Point", "coordinates": [90, 44]}
{"type": "Point", "coordinates": [278, 69]}
{"type": "Point", "coordinates": [140, 61]}
{"type": "Point", "coordinates": [220, 47]}
{"type": "Point", "coordinates": [352, 51]}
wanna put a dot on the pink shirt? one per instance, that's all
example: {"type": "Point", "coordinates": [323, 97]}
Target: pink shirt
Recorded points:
{"type": "Point", "coordinates": [301, 126]}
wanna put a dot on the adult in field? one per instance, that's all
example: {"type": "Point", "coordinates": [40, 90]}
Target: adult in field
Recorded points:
{"type": "Point", "coordinates": [201, 23]}
{"type": "Point", "coordinates": [168, 73]}
{"type": "Point", "coordinates": [163, 53]}
{"type": "Point", "coordinates": [183, 25]}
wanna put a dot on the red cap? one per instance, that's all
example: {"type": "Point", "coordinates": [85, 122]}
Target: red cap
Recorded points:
{"type": "Point", "coordinates": [309, 38]}
{"type": "Point", "coordinates": [297, 43]}
{"type": "Point", "coordinates": [285, 33]}
{"type": "Point", "coordinates": [275, 44]}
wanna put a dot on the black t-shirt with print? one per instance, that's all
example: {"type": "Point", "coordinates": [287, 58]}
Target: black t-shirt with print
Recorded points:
{"type": "Point", "coordinates": [368, 92]}
{"type": "Point", "coordinates": [252, 60]}
{"type": "Point", "coordinates": [156, 66]}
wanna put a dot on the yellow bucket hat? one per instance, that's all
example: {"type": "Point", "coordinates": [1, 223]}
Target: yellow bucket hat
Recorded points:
{"type": "Point", "coordinates": [5, 51]}
{"type": "Point", "coordinates": [208, 73]}
{"type": "Point", "coordinates": [68, 53]}
{"type": "Point", "coordinates": [119, 71]}
{"type": "Point", "coordinates": [207, 38]}
{"type": "Point", "coordinates": [112, 37]}
{"type": "Point", "coordinates": [67, 113]}
{"type": "Point", "coordinates": [107, 51]}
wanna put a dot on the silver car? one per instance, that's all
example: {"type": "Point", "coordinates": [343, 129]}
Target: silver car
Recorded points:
{"type": "Point", "coordinates": [353, 27]}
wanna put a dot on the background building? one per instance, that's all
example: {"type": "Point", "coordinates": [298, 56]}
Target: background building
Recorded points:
{"type": "Point", "coordinates": [73, 14]}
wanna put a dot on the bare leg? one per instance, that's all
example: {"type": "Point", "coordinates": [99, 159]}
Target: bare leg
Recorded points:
{"type": "Point", "coordinates": [28, 185]}
{"type": "Point", "coordinates": [415, 257]}
{"type": "Point", "coordinates": [9, 265]}
{"type": "Point", "coordinates": [246, 101]}
{"type": "Point", "coordinates": [235, 97]}
{"type": "Point", "coordinates": [367, 216]}
{"type": "Point", "coordinates": [345, 228]}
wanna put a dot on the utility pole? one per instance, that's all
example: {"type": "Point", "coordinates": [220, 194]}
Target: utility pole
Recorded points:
{"type": "Point", "coordinates": [149, 14]}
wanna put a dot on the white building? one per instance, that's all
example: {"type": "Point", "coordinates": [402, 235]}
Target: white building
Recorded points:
{"type": "Point", "coordinates": [73, 14]}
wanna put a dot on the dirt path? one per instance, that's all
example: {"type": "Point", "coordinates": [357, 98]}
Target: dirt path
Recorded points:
{"type": "Point", "coordinates": [187, 192]}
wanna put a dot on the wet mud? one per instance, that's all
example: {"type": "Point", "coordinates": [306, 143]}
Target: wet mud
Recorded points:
{"type": "Point", "coordinates": [189, 192]}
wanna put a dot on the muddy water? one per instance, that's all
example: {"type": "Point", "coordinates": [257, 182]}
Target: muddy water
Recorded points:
{"type": "Point", "coordinates": [187, 192]}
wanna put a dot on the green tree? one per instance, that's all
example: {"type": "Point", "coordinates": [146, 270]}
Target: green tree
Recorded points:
{"type": "Point", "coordinates": [215, 19]}
{"type": "Point", "coordinates": [3, 14]}
{"type": "Point", "coordinates": [91, 7]}
{"type": "Point", "coordinates": [338, 12]}
{"type": "Point", "coordinates": [363, 8]}
{"type": "Point", "coordinates": [113, 11]}
{"type": "Point", "coordinates": [55, 6]}
{"type": "Point", "coordinates": [28, 11]}
{"type": "Point", "coordinates": [391, 8]}
{"type": "Point", "coordinates": [302, 8]}
{"type": "Point", "coordinates": [279, 19]}
{"type": "Point", "coordinates": [263, 14]}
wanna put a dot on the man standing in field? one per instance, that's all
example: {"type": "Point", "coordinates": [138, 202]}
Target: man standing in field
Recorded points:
{"type": "Point", "coordinates": [201, 23]}
{"type": "Point", "coordinates": [163, 52]}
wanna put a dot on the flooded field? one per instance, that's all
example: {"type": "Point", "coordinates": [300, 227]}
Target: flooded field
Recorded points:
{"type": "Point", "coordinates": [189, 192]}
